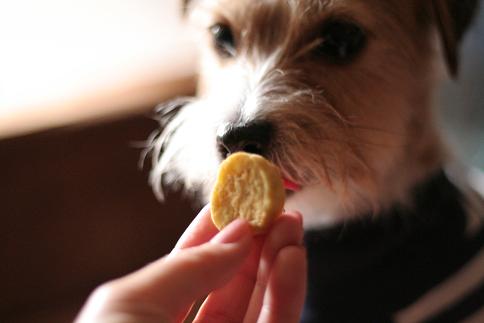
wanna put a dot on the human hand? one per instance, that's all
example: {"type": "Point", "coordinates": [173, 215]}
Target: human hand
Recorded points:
{"type": "Point", "coordinates": [246, 278]}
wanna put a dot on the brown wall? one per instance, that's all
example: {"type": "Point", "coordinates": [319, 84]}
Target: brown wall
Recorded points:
{"type": "Point", "coordinates": [75, 211]}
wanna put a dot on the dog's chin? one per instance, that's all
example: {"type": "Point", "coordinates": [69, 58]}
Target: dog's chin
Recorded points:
{"type": "Point", "coordinates": [319, 204]}
{"type": "Point", "coordinates": [325, 205]}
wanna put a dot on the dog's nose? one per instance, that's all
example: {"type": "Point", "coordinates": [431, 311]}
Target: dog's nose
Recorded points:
{"type": "Point", "coordinates": [249, 137]}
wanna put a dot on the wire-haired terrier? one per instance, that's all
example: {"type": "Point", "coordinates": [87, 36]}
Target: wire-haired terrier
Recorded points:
{"type": "Point", "coordinates": [339, 95]}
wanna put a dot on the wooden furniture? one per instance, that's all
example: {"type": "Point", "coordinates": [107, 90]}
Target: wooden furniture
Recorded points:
{"type": "Point", "coordinates": [76, 211]}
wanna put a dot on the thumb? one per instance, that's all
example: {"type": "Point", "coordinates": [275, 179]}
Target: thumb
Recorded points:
{"type": "Point", "coordinates": [168, 287]}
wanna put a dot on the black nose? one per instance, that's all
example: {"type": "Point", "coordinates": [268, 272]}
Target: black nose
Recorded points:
{"type": "Point", "coordinates": [252, 137]}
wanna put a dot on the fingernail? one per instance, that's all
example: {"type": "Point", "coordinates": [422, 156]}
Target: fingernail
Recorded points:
{"type": "Point", "coordinates": [297, 215]}
{"type": "Point", "coordinates": [204, 209]}
{"type": "Point", "coordinates": [235, 231]}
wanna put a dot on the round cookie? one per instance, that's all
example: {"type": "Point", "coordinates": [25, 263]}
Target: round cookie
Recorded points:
{"type": "Point", "coordinates": [248, 187]}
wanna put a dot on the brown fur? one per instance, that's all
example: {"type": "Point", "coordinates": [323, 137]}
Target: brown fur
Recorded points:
{"type": "Point", "coordinates": [364, 131]}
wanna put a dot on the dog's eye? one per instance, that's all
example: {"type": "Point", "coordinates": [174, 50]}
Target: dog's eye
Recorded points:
{"type": "Point", "coordinates": [223, 40]}
{"type": "Point", "coordinates": [341, 42]}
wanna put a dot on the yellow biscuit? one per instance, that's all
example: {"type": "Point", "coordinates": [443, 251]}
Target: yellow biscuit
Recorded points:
{"type": "Point", "coordinates": [248, 187]}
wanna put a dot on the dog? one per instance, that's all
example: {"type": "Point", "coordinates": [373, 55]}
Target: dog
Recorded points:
{"type": "Point", "coordinates": [339, 95]}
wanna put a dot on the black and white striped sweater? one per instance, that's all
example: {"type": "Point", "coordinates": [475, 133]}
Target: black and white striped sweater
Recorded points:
{"type": "Point", "coordinates": [419, 265]}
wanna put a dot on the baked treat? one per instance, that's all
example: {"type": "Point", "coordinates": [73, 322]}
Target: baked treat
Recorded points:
{"type": "Point", "coordinates": [248, 187]}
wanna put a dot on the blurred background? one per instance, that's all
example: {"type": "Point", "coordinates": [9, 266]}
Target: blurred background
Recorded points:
{"type": "Point", "coordinates": [461, 102]}
{"type": "Point", "coordinates": [78, 82]}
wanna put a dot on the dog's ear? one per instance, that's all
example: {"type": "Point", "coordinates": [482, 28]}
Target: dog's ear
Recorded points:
{"type": "Point", "coordinates": [453, 17]}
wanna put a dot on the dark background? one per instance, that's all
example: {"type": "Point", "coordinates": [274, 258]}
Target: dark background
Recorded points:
{"type": "Point", "coordinates": [75, 211]}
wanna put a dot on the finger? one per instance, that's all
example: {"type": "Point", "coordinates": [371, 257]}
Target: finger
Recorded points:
{"type": "Point", "coordinates": [199, 231]}
{"type": "Point", "coordinates": [286, 232]}
{"type": "Point", "coordinates": [286, 290]}
{"type": "Point", "coordinates": [231, 303]}
{"type": "Point", "coordinates": [167, 288]}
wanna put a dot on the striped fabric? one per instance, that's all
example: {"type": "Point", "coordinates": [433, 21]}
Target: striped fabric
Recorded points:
{"type": "Point", "coordinates": [424, 264]}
